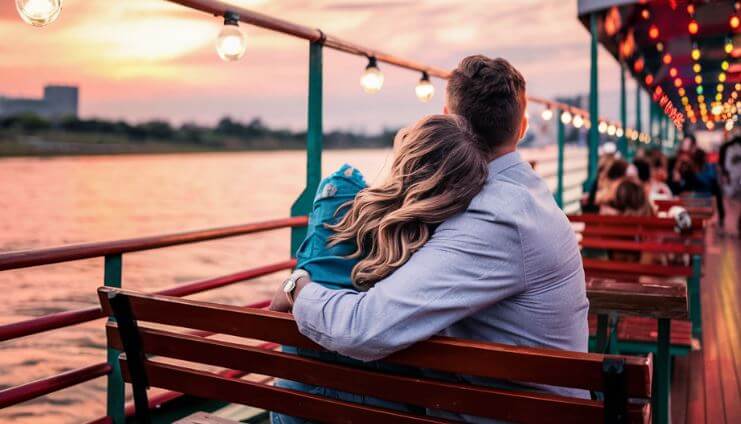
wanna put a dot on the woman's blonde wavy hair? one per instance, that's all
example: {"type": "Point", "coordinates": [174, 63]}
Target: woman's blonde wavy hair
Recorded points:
{"type": "Point", "coordinates": [439, 167]}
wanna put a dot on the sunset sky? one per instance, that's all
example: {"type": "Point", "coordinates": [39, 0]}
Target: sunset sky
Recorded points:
{"type": "Point", "coordinates": [147, 59]}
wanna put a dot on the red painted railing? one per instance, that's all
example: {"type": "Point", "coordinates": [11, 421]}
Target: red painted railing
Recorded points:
{"type": "Point", "coordinates": [22, 259]}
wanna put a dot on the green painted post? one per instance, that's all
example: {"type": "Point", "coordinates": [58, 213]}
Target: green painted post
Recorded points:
{"type": "Point", "coordinates": [651, 123]}
{"type": "Point", "coordinates": [302, 205]}
{"type": "Point", "coordinates": [603, 336]}
{"type": "Point", "coordinates": [693, 288]}
{"type": "Point", "coordinates": [623, 140]}
{"type": "Point", "coordinates": [561, 135]}
{"type": "Point", "coordinates": [593, 105]}
{"type": "Point", "coordinates": [115, 391]}
{"type": "Point", "coordinates": [663, 367]}
{"type": "Point", "coordinates": [639, 116]}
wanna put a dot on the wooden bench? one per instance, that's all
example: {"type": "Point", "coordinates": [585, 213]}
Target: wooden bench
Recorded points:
{"type": "Point", "coordinates": [624, 381]}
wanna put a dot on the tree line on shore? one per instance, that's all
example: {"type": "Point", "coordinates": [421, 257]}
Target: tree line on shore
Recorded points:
{"type": "Point", "coordinates": [228, 133]}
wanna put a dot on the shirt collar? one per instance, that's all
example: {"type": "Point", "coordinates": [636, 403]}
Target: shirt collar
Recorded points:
{"type": "Point", "coordinates": [503, 162]}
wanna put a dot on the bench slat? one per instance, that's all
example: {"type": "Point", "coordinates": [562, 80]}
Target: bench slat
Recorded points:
{"type": "Point", "coordinates": [632, 231]}
{"type": "Point", "coordinates": [633, 268]}
{"type": "Point", "coordinates": [503, 404]}
{"type": "Point", "coordinates": [641, 246]}
{"type": "Point", "coordinates": [658, 298]}
{"type": "Point", "coordinates": [543, 366]}
{"type": "Point", "coordinates": [212, 386]}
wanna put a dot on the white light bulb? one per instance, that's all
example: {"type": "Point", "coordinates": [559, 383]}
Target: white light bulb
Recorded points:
{"type": "Point", "coordinates": [372, 79]}
{"type": "Point", "coordinates": [231, 43]}
{"type": "Point", "coordinates": [547, 114]}
{"type": "Point", "coordinates": [578, 121]}
{"type": "Point", "coordinates": [566, 117]}
{"type": "Point", "coordinates": [717, 109]}
{"type": "Point", "coordinates": [611, 129]}
{"type": "Point", "coordinates": [729, 125]}
{"type": "Point", "coordinates": [39, 13]}
{"type": "Point", "coordinates": [619, 132]}
{"type": "Point", "coordinates": [424, 89]}
{"type": "Point", "coordinates": [602, 127]}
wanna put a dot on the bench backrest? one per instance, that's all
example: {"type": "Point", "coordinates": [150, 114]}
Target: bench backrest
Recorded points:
{"type": "Point", "coordinates": [618, 377]}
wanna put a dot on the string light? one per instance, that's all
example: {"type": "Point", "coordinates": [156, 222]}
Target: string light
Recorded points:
{"type": "Point", "coordinates": [619, 132]}
{"type": "Point", "coordinates": [724, 65]}
{"type": "Point", "coordinates": [602, 127]}
{"type": "Point", "coordinates": [424, 89]}
{"type": "Point", "coordinates": [673, 72]}
{"type": "Point", "coordinates": [734, 22]}
{"type": "Point", "coordinates": [566, 117]}
{"type": "Point", "coordinates": [693, 27]}
{"type": "Point", "coordinates": [667, 59]}
{"type": "Point", "coordinates": [547, 114]}
{"type": "Point", "coordinates": [649, 79]}
{"type": "Point", "coordinates": [372, 79]}
{"type": "Point", "coordinates": [611, 129]}
{"type": "Point", "coordinates": [729, 46]}
{"type": "Point", "coordinates": [39, 13]}
{"type": "Point", "coordinates": [231, 43]}
{"type": "Point", "coordinates": [678, 82]}
{"type": "Point", "coordinates": [681, 91]}
{"type": "Point", "coordinates": [697, 67]}
{"type": "Point", "coordinates": [653, 32]}
{"type": "Point", "coordinates": [698, 79]}
{"type": "Point", "coordinates": [578, 121]}
{"type": "Point", "coordinates": [645, 13]}
{"type": "Point", "coordinates": [722, 77]}
{"type": "Point", "coordinates": [695, 52]}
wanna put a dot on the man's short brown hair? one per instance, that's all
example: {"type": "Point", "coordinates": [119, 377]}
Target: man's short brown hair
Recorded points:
{"type": "Point", "coordinates": [490, 93]}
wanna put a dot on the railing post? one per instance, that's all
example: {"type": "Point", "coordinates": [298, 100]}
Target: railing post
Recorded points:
{"type": "Point", "coordinates": [639, 113]}
{"type": "Point", "coordinates": [623, 140]}
{"type": "Point", "coordinates": [302, 205]}
{"type": "Point", "coordinates": [115, 390]}
{"type": "Point", "coordinates": [561, 139]}
{"type": "Point", "coordinates": [593, 105]}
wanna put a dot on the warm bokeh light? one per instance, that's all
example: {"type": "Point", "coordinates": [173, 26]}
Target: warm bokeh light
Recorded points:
{"type": "Point", "coordinates": [547, 114]}
{"type": "Point", "coordinates": [693, 27]}
{"type": "Point", "coordinates": [566, 117]}
{"type": "Point", "coordinates": [653, 32]}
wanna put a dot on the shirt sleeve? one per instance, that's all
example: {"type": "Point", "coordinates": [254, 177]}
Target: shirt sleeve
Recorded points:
{"type": "Point", "coordinates": [458, 272]}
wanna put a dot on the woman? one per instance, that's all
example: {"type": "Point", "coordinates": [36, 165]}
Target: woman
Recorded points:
{"type": "Point", "coordinates": [358, 235]}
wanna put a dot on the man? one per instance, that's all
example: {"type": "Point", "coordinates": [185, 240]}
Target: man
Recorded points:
{"type": "Point", "coordinates": [507, 270]}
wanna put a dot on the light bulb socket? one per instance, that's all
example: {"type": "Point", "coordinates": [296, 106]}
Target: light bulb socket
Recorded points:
{"type": "Point", "coordinates": [372, 62]}
{"type": "Point", "coordinates": [231, 18]}
{"type": "Point", "coordinates": [425, 77]}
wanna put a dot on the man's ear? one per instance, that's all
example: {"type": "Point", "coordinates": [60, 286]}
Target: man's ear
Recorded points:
{"type": "Point", "coordinates": [523, 126]}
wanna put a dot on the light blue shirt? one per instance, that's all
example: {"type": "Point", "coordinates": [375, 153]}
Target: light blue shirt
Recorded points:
{"type": "Point", "coordinates": [507, 270]}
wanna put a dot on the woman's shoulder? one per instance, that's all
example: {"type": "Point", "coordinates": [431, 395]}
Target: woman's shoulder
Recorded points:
{"type": "Point", "coordinates": [346, 181]}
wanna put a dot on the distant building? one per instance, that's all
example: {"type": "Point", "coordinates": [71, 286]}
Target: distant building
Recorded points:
{"type": "Point", "coordinates": [58, 102]}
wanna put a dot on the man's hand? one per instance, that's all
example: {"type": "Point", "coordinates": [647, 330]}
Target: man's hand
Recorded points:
{"type": "Point", "coordinates": [280, 299]}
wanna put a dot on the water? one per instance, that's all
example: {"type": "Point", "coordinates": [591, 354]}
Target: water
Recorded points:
{"type": "Point", "coordinates": [51, 202]}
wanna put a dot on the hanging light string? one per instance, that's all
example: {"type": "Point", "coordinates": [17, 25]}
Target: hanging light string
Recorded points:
{"type": "Point", "coordinates": [231, 45]}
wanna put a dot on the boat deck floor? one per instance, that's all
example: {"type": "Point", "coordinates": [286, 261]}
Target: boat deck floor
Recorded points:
{"type": "Point", "coordinates": [706, 385]}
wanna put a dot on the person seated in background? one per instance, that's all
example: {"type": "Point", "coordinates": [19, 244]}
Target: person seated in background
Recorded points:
{"type": "Point", "coordinates": [730, 168]}
{"type": "Point", "coordinates": [658, 189]}
{"type": "Point", "coordinates": [609, 181]}
{"type": "Point", "coordinates": [630, 199]}
{"type": "Point", "coordinates": [589, 199]}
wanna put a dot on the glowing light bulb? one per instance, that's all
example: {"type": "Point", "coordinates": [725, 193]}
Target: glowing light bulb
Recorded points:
{"type": "Point", "coordinates": [724, 65]}
{"type": "Point", "coordinates": [424, 89]}
{"type": "Point", "coordinates": [697, 67]}
{"type": "Point", "coordinates": [372, 79]}
{"type": "Point", "coordinates": [39, 13]}
{"type": "Point", "coordinates": [729, 125]}
{"type": "Point", "coordinates": [645, 14]}
{"type": "Point", "coordinates": [722, 77]}
{"type": "Point", "coordinates": [734, 22]}
{"type": "Point", "coordinates": [653, 32]}
{"type": "Point", "coordinates": [728, 47]}
{"type": "Point", "coordinates": [678, 82]}
{"type": "Point", "coordinates": [710, 125]}
{"type": "Point", "coordinates": [695, 53]}
{"type": "Point", "coordinates": [693, 27]}
{"type": "Point", "coordinates": [602, 127]}
{"type": "Point", "coordinates": [681, 91]}
{"type": "Point", "coordinates": [619, 132]}
{"type": "Point", "coordinates": [649, 79]}
{"type": "Point", "coordinates": [698, 79]}
{"type": "Point", "coordinates": [231, 43]}
{"type": "Point", "coordinates": [667, 59]}
{"type": "Point", "coordinates": [691, 9]}
{"type": "Point", "coordinates": [578, 121]}
{"type": "Point", "coordinates": [547, 114]}
{"type": "Point", "coordinates": [720, 87]}
{"type": "Point", "coordinates": [566, 117]}
{"type": "Point", "coordinates": [673, 72]}
{"type": "Point", "coordinates": [660, 47]}
{"type": "Point", "coordinates": [611, 129]}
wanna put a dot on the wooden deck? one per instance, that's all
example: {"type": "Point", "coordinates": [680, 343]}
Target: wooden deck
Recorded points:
{"type": "Point", "coordinates": [706, 385]}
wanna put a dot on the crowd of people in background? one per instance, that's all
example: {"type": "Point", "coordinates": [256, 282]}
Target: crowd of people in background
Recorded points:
{"type": "Point", "coordinates": [632, 188]}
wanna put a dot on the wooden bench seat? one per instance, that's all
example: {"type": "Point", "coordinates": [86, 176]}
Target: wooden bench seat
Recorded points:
{"type": "Point", "coordinates": [624, 380]}
{"type": "Point", "coordinates": [645, 330]}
